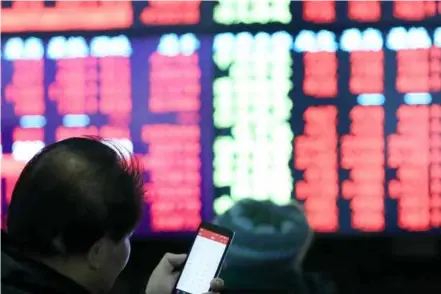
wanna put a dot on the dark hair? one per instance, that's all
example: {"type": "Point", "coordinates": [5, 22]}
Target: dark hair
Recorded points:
{"type": "Point", "coordinates": [73, 193]}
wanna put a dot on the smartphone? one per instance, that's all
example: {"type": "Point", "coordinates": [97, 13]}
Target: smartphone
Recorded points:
{"type": "Point", "coordinates": [205, 259]}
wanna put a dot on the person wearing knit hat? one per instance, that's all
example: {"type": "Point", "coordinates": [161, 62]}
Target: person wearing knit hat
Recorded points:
{"type": "Point", "coordinates": [269, 246]}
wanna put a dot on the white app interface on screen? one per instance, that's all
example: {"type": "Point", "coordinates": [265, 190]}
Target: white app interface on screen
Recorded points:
{"type": "Point", "coordinates": [202, 262]}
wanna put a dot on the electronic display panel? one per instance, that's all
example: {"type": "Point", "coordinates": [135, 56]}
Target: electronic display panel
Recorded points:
{"type": "Point", "coordinates": [347, 123]}
{"type": "Point", "coordinates": [329, 12]}
{"type": "Point", "coordinates": [205, 16]}
{"type": "Point", "coordinates": [149, 95]}
{"type": "Point", "coordinates": [342, 113]}
{"type": "Point", "coordinates": [78, 15]}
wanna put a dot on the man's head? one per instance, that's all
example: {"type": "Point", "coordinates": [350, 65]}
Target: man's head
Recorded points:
{"type": "Point", "coordinates": [75, 206]}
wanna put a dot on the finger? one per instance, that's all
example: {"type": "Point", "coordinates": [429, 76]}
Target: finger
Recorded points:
{"type": "Point", "coordinates": [170, 261]}
{"type": "Point", "coordinates": [217, 284]}
{"type": "Point", "coordinates": [175, 276]}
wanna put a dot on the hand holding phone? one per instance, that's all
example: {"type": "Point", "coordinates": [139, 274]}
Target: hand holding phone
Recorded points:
{"type": "Point", "coordinates": [205, 259]}
{"type": "Point", "coordinates": [164, 276]}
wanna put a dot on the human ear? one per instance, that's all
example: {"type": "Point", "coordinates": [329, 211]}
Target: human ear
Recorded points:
{"type": "Point", "coordinates": [97, 253]}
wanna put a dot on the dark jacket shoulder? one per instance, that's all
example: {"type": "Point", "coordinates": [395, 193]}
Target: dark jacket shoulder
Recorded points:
{"type": "Point", "coordinates": [21, 275]}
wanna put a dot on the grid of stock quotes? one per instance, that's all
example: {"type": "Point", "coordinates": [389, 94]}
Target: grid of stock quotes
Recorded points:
{"type": "Point", "coordinates": [344, 117]}
{"type": "Point", "coordinates": [55, 15]}
{"type": "Point", "coordinates": [146, 94]}
{"type": "Point", "coordinates": [349, 123]}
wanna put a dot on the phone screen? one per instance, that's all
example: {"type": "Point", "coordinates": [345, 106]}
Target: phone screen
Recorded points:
{"type": "Point", "coordinates": [202, 263]}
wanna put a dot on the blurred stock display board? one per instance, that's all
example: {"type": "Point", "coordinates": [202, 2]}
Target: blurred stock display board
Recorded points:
{"type": "Point", "coordinates": [336, 104]}
{"type": "Point", "coordinates": [51, 16]}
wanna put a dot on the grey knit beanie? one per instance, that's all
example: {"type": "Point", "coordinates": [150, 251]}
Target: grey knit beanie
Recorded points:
{"type": "Point", "coordinates": [265, 231]}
